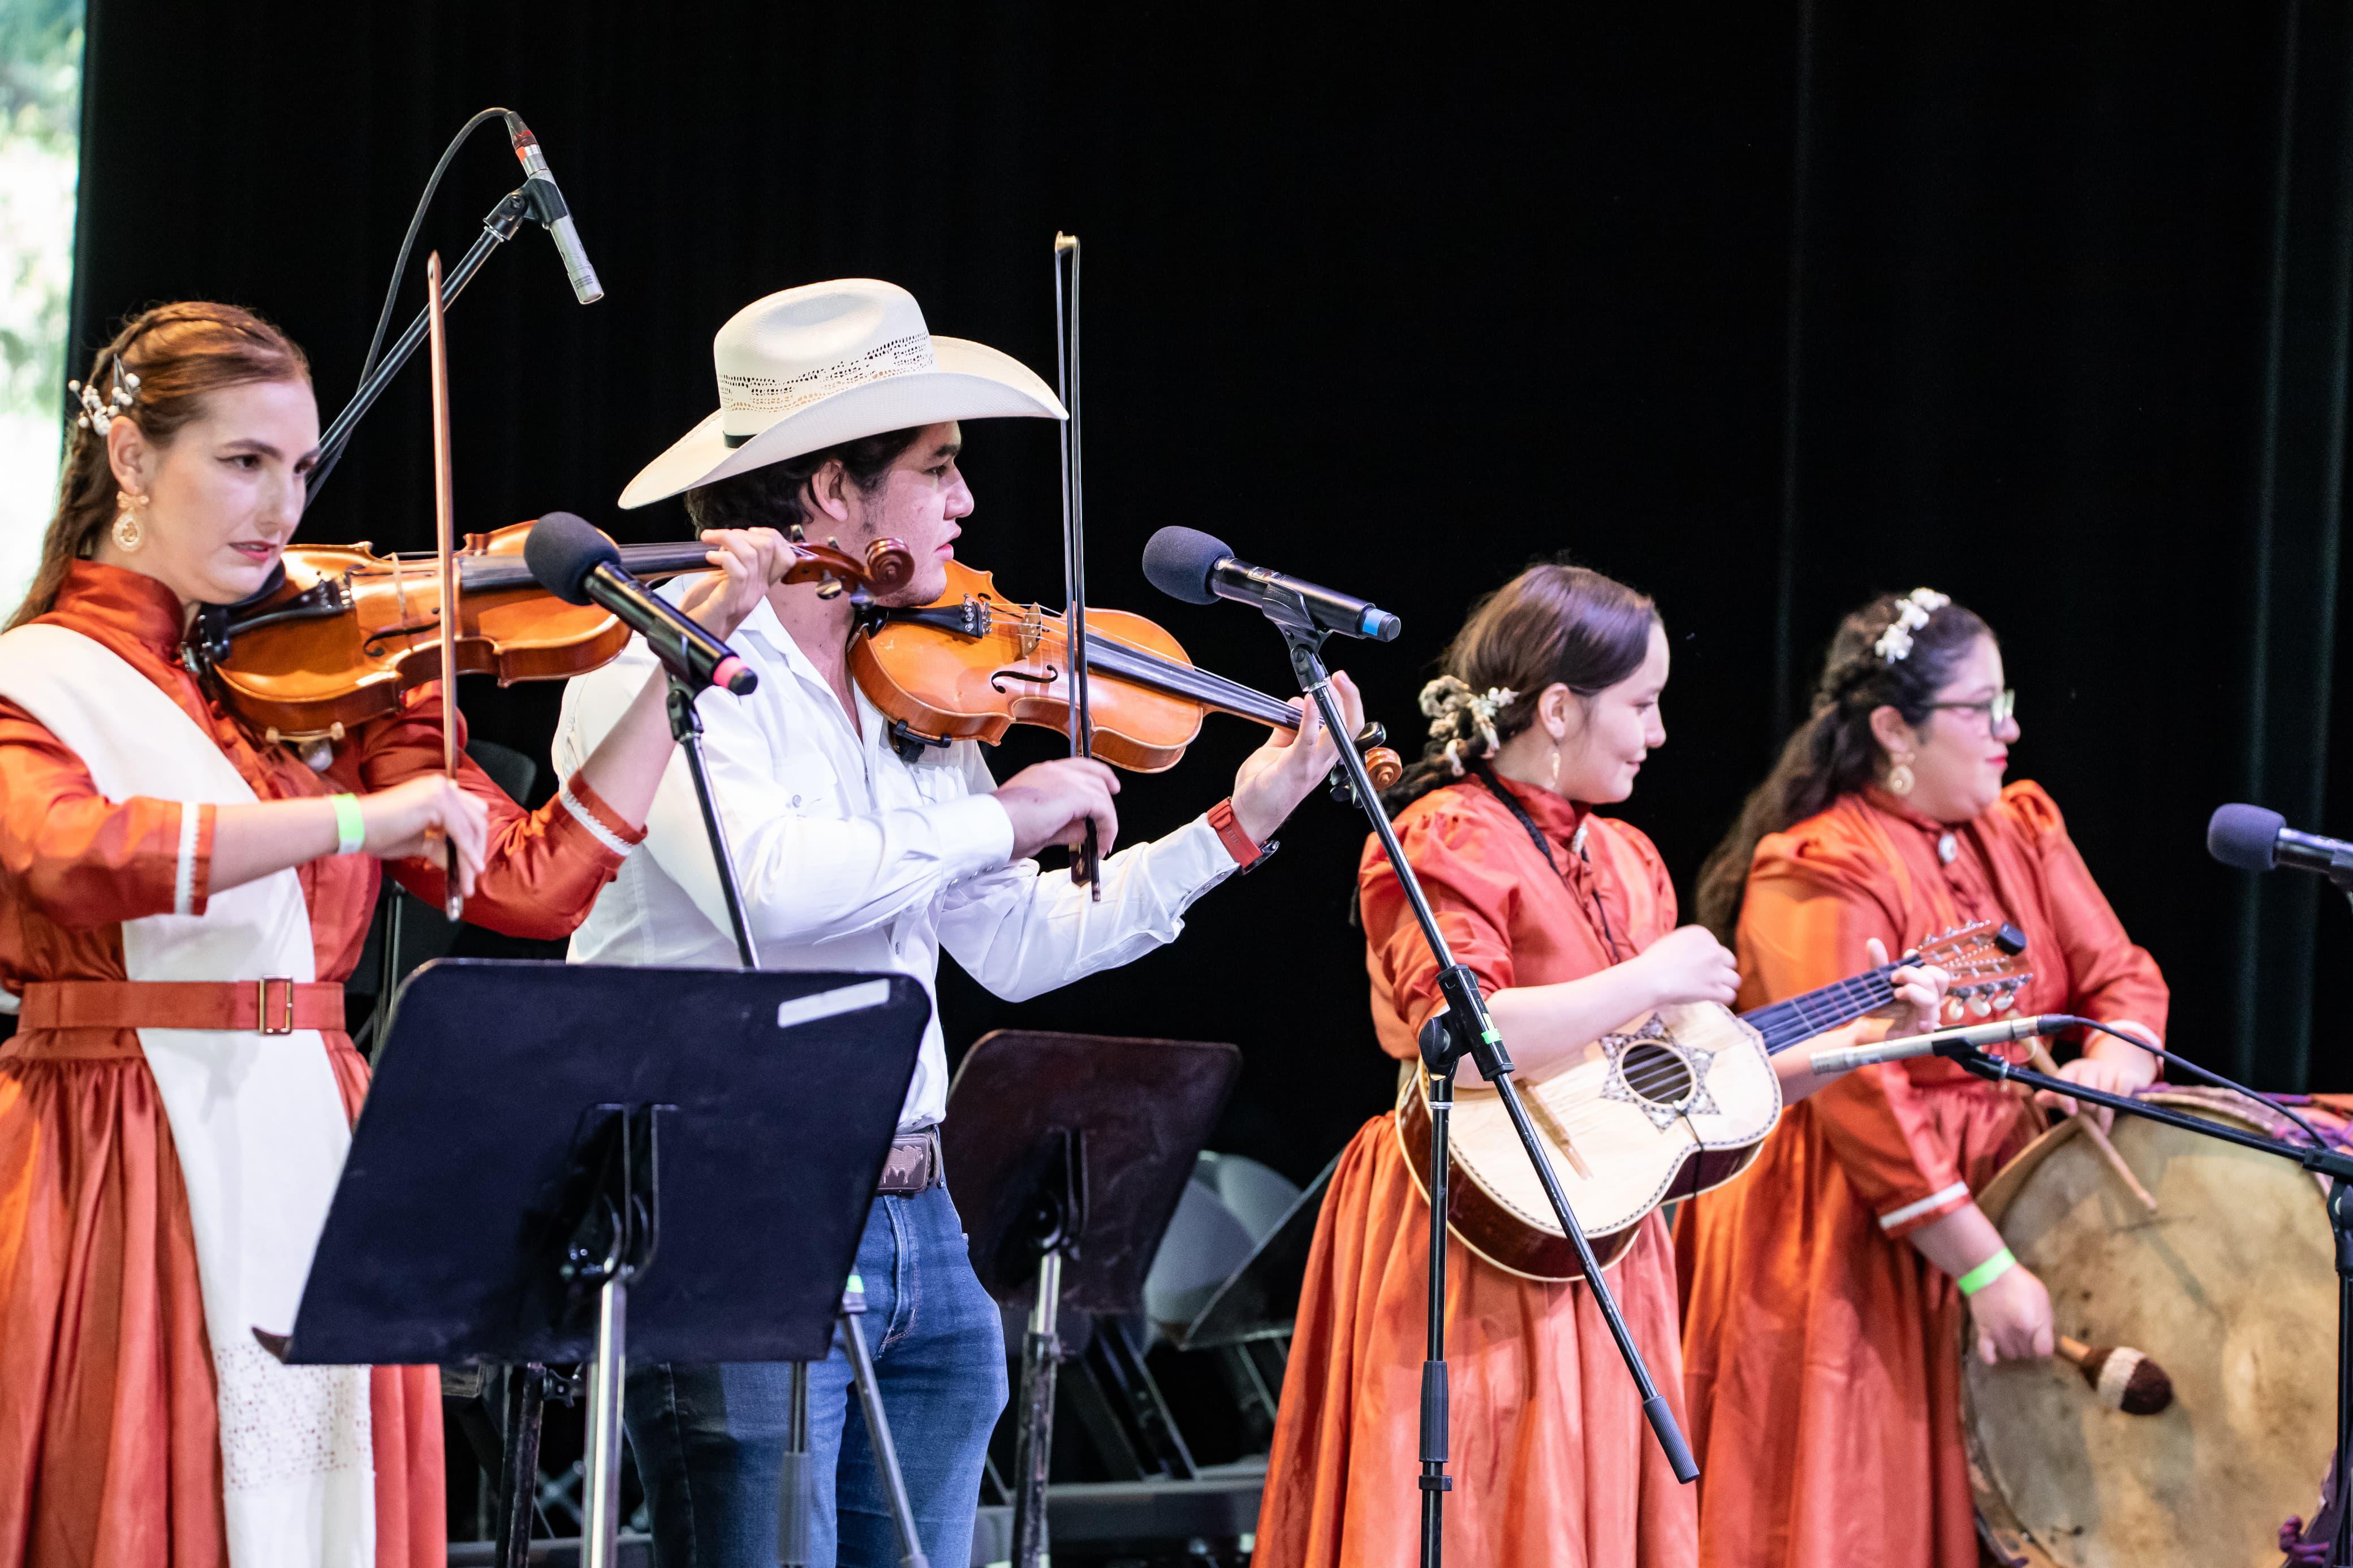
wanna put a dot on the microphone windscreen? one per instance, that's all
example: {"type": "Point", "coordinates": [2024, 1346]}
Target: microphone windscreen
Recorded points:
{"type": "Point", "coordinates": [1177, 561]}
{"type": "Point", "coordinates": [561, 549]}
{"type": "Point", "coordinates": [2246, 836]}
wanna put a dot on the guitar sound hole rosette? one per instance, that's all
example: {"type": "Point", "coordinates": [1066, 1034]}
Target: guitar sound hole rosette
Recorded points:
{"type": "Point", "coordinates": [1652, 1071]}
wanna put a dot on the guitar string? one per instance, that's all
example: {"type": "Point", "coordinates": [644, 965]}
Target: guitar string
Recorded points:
{"type": "Point", "coordinates": [1815, 1013]}
{"type": "Point", "coordinates": [1818, 1011]}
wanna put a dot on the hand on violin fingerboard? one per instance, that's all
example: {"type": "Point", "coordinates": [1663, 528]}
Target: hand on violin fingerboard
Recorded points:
{"type": "Point", "coordinates": [1276, 777]}
{"type": "Point", "coordinates": [750, 561]}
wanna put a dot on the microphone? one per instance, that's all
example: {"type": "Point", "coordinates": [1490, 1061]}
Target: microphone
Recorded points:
{"type": "Point", "coordinates": [1185, 564]}
{"type": "Point", "coordinates": [1846, 1058]}
{"type": "Point", "coordinates": [2253, 839]}
{"type": "Point", "coordinates": [549, 202]}
{"type": "Point", "coordinates": [574, 560]}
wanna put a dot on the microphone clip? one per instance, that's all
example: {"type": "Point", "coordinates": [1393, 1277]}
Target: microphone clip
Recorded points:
{"type": "Point", "coordinates": [545, 200]}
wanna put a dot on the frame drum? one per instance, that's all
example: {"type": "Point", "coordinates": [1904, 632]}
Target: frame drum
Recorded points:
{"type": "Point", "coordinates": [2229, 1287]}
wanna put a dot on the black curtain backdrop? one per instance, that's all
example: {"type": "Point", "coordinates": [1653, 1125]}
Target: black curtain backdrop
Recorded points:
{"type": "Point", "coordinates": [1760, 309]}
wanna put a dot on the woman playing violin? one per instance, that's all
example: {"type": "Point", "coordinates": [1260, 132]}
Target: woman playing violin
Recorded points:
{"type": "Point", "coordinates": [1826, 1292]}
{"type": "Point", "coordinates": [1548, 708]}
{"type": "Point", "coordinates": [167, 1150]}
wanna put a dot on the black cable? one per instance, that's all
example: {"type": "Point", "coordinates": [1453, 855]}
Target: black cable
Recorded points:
{"type": "Point", "coordinates": [2211, 1077]}
{"type": "Point", "coordinates": [416, 223]}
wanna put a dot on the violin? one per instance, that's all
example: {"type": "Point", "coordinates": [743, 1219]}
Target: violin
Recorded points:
{"type": "Point", "coordinates": [973, 663]}
{"type": "Point", "coordinates": [345, 631]}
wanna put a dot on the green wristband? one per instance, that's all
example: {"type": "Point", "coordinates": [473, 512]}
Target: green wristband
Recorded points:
{"type": "Point", "coordinates": [1986, 1273]}
{"type": "Point", "coordinates": [350, 829]}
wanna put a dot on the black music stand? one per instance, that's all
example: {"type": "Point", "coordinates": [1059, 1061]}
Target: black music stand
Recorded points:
{"type": "Point", "coordinates": [1069, 1153]}
{"type": "Point", "coordinates": [535, 1130]}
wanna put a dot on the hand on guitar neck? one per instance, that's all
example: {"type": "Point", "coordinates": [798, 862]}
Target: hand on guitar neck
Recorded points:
{"type": "Point", "coordinates": [1918, 1008]}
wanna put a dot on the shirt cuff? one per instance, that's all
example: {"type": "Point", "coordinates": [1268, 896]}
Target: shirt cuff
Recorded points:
{"type": "Point", "coordinates": [1903, 1220]}
{"type": "Point", "coordinates": [192, 874]}
{"type": "Point", "coordinates": [1192, 861]}
{"type": "Point", "coordinates": [609, 827]}
{"type": "Point", "coordinates": [976, 834]}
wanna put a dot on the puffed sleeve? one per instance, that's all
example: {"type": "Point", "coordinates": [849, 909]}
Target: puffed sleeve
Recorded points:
{"type": "Point", "coordinates": [1472, 900]}
{"type": "Point", "coordinates": [2110, 978]}
{"type": "Point", "coordinates": [544, 868]}
{"type": "Point", "coordinates": [82, 859]}
{"type": "Point", "coordinates": [1814, 900]}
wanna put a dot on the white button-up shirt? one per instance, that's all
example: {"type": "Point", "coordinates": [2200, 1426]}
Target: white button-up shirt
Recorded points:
{"type": "Point", "coordinates": [850, 857]}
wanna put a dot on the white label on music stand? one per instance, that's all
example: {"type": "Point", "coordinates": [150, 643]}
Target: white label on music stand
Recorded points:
{"type": "Point", "coordinates": [828, 1003]}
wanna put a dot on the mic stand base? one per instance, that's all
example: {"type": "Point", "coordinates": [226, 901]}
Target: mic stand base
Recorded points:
{"type": "Point", "coordinates": [2337, 1165]}
{"type": "Point", "coordinates": [1463, 1028]}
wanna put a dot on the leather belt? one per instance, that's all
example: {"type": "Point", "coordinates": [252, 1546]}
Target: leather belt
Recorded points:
{"type": "Point", "coordinates": [913, 1165]}
{"type": "Point", "coordinates": [267, 1006]}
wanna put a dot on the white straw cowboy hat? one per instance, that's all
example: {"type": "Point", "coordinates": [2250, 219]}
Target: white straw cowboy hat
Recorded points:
{"type": "Point", "coordinates": [828, 362]}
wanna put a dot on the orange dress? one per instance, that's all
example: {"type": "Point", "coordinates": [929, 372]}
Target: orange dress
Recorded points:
{"type": "Point", "coordinates": [1553, 1463]}
{"type": "Point", "coordinates": [1820, 1348]}
{"type": "Point", "coordinates": [109, 1452]}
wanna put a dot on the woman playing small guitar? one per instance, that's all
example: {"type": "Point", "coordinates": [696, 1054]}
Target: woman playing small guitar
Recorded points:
{"type": "Point", "coordinates": [1549, 707]}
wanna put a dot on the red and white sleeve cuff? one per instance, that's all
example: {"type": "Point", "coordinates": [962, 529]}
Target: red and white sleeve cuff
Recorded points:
{"type": "Point", "coordinates": [605, 825]}
{"type": "Point", "coordinates": [1934, 1206]}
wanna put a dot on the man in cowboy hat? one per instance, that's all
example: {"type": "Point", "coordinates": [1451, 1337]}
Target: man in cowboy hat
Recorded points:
{"type": "Point", "coordinates": [840, 413]}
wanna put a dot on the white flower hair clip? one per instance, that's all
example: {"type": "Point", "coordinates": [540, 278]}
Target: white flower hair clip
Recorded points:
{"type": "Point", "coordinates": [98, 413]}
{"type": "Point", "coordinates": [1447, 697]}
{"type": "Point", "coordinates": [1912, 613]}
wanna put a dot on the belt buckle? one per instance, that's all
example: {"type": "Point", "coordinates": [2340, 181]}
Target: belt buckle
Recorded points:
{"type": "Point", "coordinates": [261, 1005]}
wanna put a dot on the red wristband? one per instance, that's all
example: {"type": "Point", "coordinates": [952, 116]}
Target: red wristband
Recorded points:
{"type": "Point", "coordinates": [1247, 851]}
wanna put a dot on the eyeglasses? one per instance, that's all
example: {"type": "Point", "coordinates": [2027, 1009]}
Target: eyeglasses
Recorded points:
{"type": "Point", "coordinates": [1998, 711]}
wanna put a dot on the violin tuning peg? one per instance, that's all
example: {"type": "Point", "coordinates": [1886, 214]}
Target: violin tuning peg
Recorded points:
{"type": "Point", "coordinates": [829, 589]}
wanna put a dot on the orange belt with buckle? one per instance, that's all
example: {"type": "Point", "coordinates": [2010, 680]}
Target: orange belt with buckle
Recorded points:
{"type": "Point", "coordinates": [266, 1006]}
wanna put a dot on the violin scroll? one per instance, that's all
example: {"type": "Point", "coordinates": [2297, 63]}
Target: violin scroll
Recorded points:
{"type": "Point", "coordinates": [887, 566]}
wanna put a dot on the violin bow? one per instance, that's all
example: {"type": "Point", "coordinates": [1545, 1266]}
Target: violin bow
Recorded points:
{"type": "Point", "coordinates": [453, 902]}
{"type": "Point", "coordinates": [1084, 867]}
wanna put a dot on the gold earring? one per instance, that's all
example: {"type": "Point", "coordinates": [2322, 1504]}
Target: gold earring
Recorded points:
{"type": "Point", "coordinates": [127, 535]}
{"type": "Point", "coordinates": [1899, 773]}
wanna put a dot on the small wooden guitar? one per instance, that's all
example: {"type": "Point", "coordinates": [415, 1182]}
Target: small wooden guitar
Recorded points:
{"type": "Point", "coordinates": [1667, 1107]}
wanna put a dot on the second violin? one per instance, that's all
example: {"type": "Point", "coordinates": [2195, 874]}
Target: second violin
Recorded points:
{"type": "Point", "coordinates": [973, 663]}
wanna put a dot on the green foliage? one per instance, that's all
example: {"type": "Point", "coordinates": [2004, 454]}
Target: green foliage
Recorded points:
{"type": "Point", "coordinates": [40, 71]}
{"type": "Point", "coordinates": [41, 118]}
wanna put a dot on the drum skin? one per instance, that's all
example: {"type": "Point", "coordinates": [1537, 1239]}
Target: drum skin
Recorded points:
{"type": "Point", "coordinates": [2229, 1287]}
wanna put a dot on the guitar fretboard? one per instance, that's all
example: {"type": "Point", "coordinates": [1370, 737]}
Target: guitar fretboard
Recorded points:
{"type": "Point", "coordinates": [1785, 1023]}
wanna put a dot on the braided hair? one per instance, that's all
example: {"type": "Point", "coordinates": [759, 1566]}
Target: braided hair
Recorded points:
{"type": "Point", "coordinates": [1833, 752]}
{"type": "Point", "coordinates": [1552, 625]}
{"type": "Point", "coordinates": [175, 356]}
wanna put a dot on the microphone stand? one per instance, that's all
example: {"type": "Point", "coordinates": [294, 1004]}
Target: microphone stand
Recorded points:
{"type": "Point", "coordinates": [2336, 1164]}
{"type": "Point", "coordinates": [1464, 1028]}
{"type": "Point", "coordinates": [529, 201]}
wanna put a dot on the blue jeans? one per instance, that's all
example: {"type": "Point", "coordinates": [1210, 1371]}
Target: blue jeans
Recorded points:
{"type": "Point", "coordinates": [709, 1440]}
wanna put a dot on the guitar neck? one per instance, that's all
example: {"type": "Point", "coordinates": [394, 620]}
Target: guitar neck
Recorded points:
{"type": "Point", "coordinates": [1785, 1023]}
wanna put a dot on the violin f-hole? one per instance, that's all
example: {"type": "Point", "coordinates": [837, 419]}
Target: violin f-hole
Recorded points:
{"type": "Point", "coordinates": [1051, 676]}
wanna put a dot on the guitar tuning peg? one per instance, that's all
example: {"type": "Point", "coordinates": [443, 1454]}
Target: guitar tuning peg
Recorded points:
{"type": "Point", "coordinates": [1981, 1006]}
{"type": "Point", "coordinates": [1953, 1005]}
